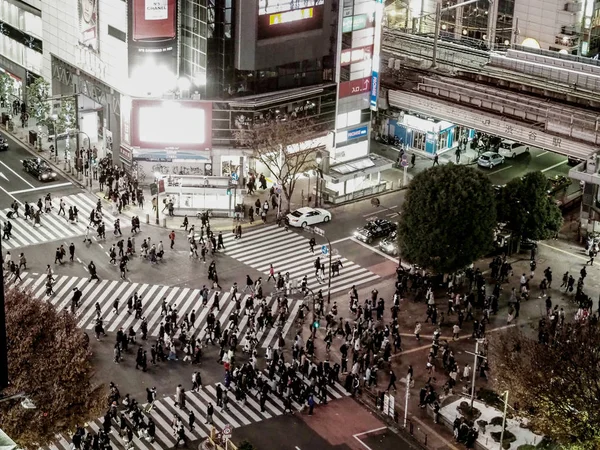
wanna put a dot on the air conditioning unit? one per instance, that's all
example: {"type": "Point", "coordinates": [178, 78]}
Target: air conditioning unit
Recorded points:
{"type": "Point", "coordinates": [397, 64]}
{"type": "Point", "coordinates": [573, 7]}
{"type": "Point", "coordinates": [391, 63]}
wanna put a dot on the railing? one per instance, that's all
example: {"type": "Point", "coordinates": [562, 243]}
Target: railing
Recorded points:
{"type": "Point", "coordinates": [372, 399]}
{"type": "Point", "coordinates": [378, 188]}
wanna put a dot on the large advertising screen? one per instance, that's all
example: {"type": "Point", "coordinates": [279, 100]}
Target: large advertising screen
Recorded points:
{"type": "Point", "coordinates": [152, 37]}
{"type": "Point", "coordinates": [170, 124]}
{"type": "Point", "coordinates": [88, 23]}
{"type": "Point", "coordinates": [284, 17]}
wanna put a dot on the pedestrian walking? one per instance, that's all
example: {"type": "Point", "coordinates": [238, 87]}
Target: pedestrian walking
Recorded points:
{"type": "Point", "coordinates": [172, 238]}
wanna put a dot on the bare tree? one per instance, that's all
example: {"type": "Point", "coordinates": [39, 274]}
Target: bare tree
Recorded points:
{"type": "Point", "coordinates": [555, 379]}
{"type": "Point", "coordinates": [286, 147]}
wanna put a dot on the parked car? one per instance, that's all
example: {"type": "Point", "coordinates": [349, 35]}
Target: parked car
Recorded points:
{"type": "Point", "coordinates": [558, 183]}
{"type": "Point", "coordinates": [374, 229]}
{"type": "Point", "coordinates": [39, 169]}
{"type": "Point", "coordinates": [389, 245]}
{"type": "Point", "coordinates": [512, 149]}
{"type": "Point", "coordinates": [3, 143]}
{"type": "Point", "coordinates": [306, 216]}
{"type": "Point", "coordinates": [490, 160]}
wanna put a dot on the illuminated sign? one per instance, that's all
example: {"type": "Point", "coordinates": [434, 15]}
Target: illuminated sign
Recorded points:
{"type": "Point", "coordinates": [291, 16]}
{"type": "Point", "coordinates": [376, 50]}
{"type": "Point", "coordinates": [357, 133]}
{"type": "Point", "coordinates": [266, 7]}
{"type": "Point", "coordinates": [355, 55]}
{"type": "Point", "coordinates": [355, 87]}
{"type": "Point", "coordinates": [158, 124]}
{"type": "Point", "coordinates": [290, 20]}
{"type": "Point", "coordinates": [355, 23]}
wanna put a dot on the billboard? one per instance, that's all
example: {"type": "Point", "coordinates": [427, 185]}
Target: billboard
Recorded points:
{"type": "Point", "coordinates": [284, 17]}
{"type": "Point", "coordinates": [152, 34]}
{"type": "Point", "coordinates": [171, 124]}
{"type": "Point", "coordinates": [87, 11]}
{"type": "Point", "coordinates": [354, 87]}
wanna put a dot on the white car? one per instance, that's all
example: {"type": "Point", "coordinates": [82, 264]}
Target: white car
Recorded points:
{"type": "Point", "coordinates": [303, 217]}
{"type": "Point", "coordinates": [511, 149]}
{"type": "Point", "coordinates": [490, 159]}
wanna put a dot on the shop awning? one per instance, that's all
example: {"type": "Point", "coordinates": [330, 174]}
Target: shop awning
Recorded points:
{"type": "Point", "coordinates": [361, 166]}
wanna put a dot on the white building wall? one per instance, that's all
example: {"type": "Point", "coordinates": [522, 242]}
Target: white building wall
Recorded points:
{"type": "Point", "coordinates": [542, 20]}
{"type": "Point", "coordinates": [61, 38]}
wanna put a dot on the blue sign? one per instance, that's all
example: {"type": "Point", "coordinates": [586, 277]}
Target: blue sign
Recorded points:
{"type": "Point", "coordinates": [357, 133]}
{"type": "Point", "coordinates": [324, 249]}
{"type": "Point", "coordinates": [374, 89]}
{"type": "Point", "coordinates": [235, 176]}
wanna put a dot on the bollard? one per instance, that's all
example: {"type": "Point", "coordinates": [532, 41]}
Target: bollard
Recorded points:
{"type": "Point", "coordinates": [164, 223]}
{"type": "Point", "coordinates": [411, 429]}
{"type": "Point", "coordinates": [147, 219]}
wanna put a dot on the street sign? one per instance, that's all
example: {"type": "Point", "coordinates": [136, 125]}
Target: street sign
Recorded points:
{"type": "Point", "coordinates": [153, 189]}
{"type": "Point", "coordinates": [278, 188]}
{"type": "Point", "coordinates": [319, 231]}
{"type": "Point", "coordinates": [324, 249]}
{"type": "Point", "coordinates": [227, 431]}
{"type": "Point", "coordinates": [404, 162]}
{"type": "Point", "coordinates": [161, 186]}
{"type": "Point", "coordinates": [335, 252]}
{"type": "Point", "coordinates": [235, 176]}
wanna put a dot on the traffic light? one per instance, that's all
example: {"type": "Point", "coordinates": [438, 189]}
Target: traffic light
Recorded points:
{"type": "Point", "coordinates": [316, 324]}
{"type": "Point", "coordinates": [228, 191]}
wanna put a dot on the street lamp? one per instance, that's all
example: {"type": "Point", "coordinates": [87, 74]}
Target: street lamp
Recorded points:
{"type": "Point", "coordinates": [89, 156]}
{"type": "Point", "coordinates": [505, 394]}
{"type": "Point", "coordinates": [319, 160]}
{"type": "Point", "coordinates": [157, 176]}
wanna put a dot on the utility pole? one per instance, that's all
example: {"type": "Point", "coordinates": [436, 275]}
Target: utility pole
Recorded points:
{"type": "Point", "coordinates": [3, 340]}
{"type": "Point", "coordinates": [438, 19]}
{"type": "Point", "coordinates": [505, 393]}
{"type": "Point", "coordinates": [477, 355]}
{"type": "Point", "coordinates": [406, 397]}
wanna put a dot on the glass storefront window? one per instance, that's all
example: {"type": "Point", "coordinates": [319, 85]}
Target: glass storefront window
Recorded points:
{"type": "Point", "coordinates": [229, 164]}
{"type": "Point", "coordinates": [23, 20]}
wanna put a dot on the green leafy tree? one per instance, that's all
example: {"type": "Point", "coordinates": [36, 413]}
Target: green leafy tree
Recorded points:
{"type": "Point", "coordinates": [555, 379]}
{"type": "Point", "coordinates": [6, 86]}
{"type": "Point", "coordinates": [66, 120]}
{"type": "Point", "coordinates": [528, 209]}
{"type": "Point", "coordinates": [38, 104]}
{"type": "Point", "coordinates": [448, 218]}
{"type": "Point", "coordinates": [49, 359]}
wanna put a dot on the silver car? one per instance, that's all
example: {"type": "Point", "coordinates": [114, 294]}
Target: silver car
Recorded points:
{"type": "Point", "coordinates": [490, 160]}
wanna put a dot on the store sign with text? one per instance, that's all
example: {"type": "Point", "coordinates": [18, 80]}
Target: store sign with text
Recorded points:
{"type": "Point", "coordinates": [357, 133]}
{"type": "Point", "coordinates": [354, 55]}
{"type": "Point", "coordinates": [355, 87]}
{"type": "Point", "coordinates": [284, 17]}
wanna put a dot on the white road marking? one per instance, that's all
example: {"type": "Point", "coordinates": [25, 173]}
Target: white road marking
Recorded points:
{"type": "Point", "coordinates": [341, 240]}
{"type": "Point", "coordinates": [499, 170]}
{"type": "Point", "coordinates": [19, 176]}
{"type": "Point", "coordinates": [356, 436]}
{"type": "Point", "coordinates": [563, 251]}
{"type": "Point", "coordinates": [3, 176]}
{"type": "Point", "coordinates": [555, 165]}
{"type": "Point", "coordinates": [542, 154]}
{"type": "Point", "coordinates": [41, 188]}
{"type": "Point", "coordinates": [373, 249]}
{"type": "Point", "coordinates": [10, 195]}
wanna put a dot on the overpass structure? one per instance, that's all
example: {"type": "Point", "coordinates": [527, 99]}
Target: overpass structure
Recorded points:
{"type": "Point", "coordinates": [535, 99]}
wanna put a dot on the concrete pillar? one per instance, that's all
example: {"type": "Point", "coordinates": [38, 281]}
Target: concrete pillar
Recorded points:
{"type": "Point", "coordinates": [458, 21]}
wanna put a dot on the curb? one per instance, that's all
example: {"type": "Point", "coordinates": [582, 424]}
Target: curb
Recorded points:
{"type": "Point", "coordinates": [39, 154]}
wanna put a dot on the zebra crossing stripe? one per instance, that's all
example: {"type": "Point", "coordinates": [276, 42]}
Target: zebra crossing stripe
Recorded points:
{"type": "Point", "coordinates": [53, 226]}
{"type": "Point", "coordinates": [106, 292]}
{"type": "Point", "coordinates": [289, 253]}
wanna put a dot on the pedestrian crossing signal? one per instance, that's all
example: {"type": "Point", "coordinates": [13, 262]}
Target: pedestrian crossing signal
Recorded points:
{"type": "Point", "coordinates": [228, 191]}
{"type": "Point", "coordinates": [316, 324]}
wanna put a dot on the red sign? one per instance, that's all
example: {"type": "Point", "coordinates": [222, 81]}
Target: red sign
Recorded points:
{"type": "Point", "coordinates": [355, 87]}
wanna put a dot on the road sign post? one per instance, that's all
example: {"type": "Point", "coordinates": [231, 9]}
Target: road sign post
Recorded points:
{"type": "Point", "coordinates": [404, 164]}
{"type": "Point", "coordinates": [324, 249]}
{"type": "Point", "coordinates": [227, 432]}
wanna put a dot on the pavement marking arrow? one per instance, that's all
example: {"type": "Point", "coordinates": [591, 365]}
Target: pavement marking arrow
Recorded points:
{"type": "Point", "coordinates": [3, 176]}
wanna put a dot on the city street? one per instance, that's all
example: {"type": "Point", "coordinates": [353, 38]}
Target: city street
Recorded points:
{"type": "Point", "coordinates": [17, 184]}
{"type": "Point", "coordinates": [178, 280]}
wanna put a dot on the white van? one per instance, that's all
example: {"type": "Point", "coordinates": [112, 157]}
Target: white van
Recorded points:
{"type": "Point", "coordinates": [511, 149]}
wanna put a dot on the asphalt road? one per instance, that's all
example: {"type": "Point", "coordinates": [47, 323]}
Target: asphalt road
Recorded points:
{"type": "Point", "coordinates": [17, 184]}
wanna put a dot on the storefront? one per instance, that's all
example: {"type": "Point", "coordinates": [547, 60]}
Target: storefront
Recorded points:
{"type": "Point", "coordinates": [20, 77]}
{"type": "Point", "coordinates": [425, 135]}
{"type": "Point", "coordinates": [99, 106]}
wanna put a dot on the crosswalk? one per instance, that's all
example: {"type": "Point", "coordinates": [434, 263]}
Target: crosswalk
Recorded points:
{"type": "Point", "coordinates": [54, 227]}
{"type": "Point", "coordinates": [289, 252]}
{"type": "Point", "coordinates": [106, 292]}
{"type": "Point", "coordinates": [164, 411]}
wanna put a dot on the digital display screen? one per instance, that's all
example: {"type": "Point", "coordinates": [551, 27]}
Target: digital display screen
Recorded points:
{"type": "Point", "coordinates": [289, 17]}
{"type": "Point", "coordinates": [266, 7]}
{"type": "Point", "coordinates": [172, 125]}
